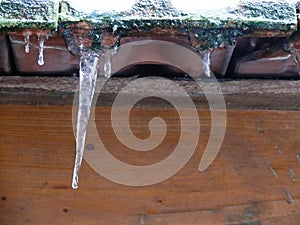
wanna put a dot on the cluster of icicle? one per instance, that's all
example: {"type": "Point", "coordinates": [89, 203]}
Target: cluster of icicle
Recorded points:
{"type": "Point", "coordinates": [87, 82]}
{"type": "Point", "coordinates": [41, 40]}
{"type": "Point", "coordinates": [88, 77]}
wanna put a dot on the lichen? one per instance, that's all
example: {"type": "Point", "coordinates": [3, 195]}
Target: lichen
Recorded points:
{"type": "Point", "coordinates": [28, 14]}
{"type": "Point", "coordinates": [210, 30]}
{"type": "Point", "coordinates": [154, 9]}
{"type": "Point", "coordinates": [267, 9]}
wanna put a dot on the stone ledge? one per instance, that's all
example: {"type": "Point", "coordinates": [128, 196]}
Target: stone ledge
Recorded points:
{"type": "Point", "coordinates": [254, 18]}
{"type": "Point", "coordinates": [28, 14]}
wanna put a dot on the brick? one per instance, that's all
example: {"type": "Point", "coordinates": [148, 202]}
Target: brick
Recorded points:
{"type": "Point", "coordinates": [5, 67]}
{"type": "Point", "coordinates": [58, 60]}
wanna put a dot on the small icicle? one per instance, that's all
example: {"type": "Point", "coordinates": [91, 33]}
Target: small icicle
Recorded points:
{"type": "Point", "coordinates": [88, 78]}
{"type": "Point", "coordinates": [41, 50]}
{"type": "Point", "coordinates": [115, 28]}
{"type": "Point", "coordinates": [27, 43]}
{"type": "Point", "coordinates": [81, 46]}
{"type": "Point", "coordinates": [296, 56]}
{"type": "Point", "coordinates": [206, 62]}
{"type": "Point", "coordinates": [107, 66]}
{"type": "Point", "coordinates": [107, 63]}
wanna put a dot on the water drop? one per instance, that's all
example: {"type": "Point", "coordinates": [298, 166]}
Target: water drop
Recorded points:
{"type": "Point", "coordinates": [115, 28]}
{"type": "Point", "coordinates": [41, 50]}
{"type": "Point", "coordinates": [205, 61]}
{"type": "Point", "coordinates": [87, 83]}
{"type": "Point", "coordinates": [27, 43]}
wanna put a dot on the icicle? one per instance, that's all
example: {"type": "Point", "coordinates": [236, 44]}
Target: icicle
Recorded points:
{"type": "Point", "coordinates": [115, 28]}
{"type": "Point", "coordinates": [88, 77]}
{"type": "Point", "coordinates": [81, 46]}
{"type": "Point", "coordinates": [41, 50]}
{"type": "Point", "coordinates": [206, 62]}
{"type": "Point", "coordinates": [27, 43]}
{"type": "Point", "coordinates": [107, 66]}
{"type": "Point", "coordinates": [107, 61]}
{"type": "Point", "coordinates": [296, 56]}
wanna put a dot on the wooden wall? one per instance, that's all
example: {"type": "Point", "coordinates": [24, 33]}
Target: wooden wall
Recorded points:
{"type": "Point", "coordinates": [254, 180]}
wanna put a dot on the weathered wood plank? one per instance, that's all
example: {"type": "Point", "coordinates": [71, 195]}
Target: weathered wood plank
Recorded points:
{"type": "Point", "coordinates": [238, 94]}
{"type": "Point", "coordinates": [37, 154]}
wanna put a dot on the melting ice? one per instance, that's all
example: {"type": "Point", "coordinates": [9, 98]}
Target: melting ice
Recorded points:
{"type": "Point", "coordinates": [107, 63]}
{"type": "Point", "coordinates": [205, 61]}
{"type": "Point", "coordinates": [41, 51]}
{"type": "Point", "coordinates": [296, 56]}
{"type": "Point", "coordinates": [87, 83]}
{"type": "Point", "coordinates": [27, 43]}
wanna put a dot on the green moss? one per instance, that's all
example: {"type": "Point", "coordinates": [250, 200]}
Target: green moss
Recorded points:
{"type": "Point", "coordinates": [211, 30]}
{"type": "Point", "coordinates": [267, 9]}
{"type": "Point", "coordinates": [28, 14]}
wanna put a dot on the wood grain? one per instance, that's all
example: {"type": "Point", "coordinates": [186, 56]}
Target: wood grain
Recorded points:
{"type": "Point", "coordinates": [37, 154]}
{"type": "Point", "coordinates": [238, 94]}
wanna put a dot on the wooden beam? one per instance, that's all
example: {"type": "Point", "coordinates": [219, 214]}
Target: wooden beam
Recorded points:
{"type": "Point", "coordinates": [238, 94]}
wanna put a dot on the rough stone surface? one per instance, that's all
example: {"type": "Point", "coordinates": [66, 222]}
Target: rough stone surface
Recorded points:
{"type": "Point", "coordinates": [206, 30]}
{"type": "Point", "coordinates": [267, 9]}
{"type": "Point", "coordinates": [210, 30]}
{"type": "Point", "coordinates": [153, 9]}
{"type": "Point", "coordinates": [28, 14]}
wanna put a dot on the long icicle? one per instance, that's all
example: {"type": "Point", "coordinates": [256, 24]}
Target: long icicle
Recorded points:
{"type": "Point", "coordinates": [88, 78]}
{"type": "Point", "coordinates": [206, 57]}
{"type": "Point", "coordinates": [27, 43]}
{"type": "Point", "coordinates": [107, 61]}
{"type": "Point", "coordinates": [41, 50]}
